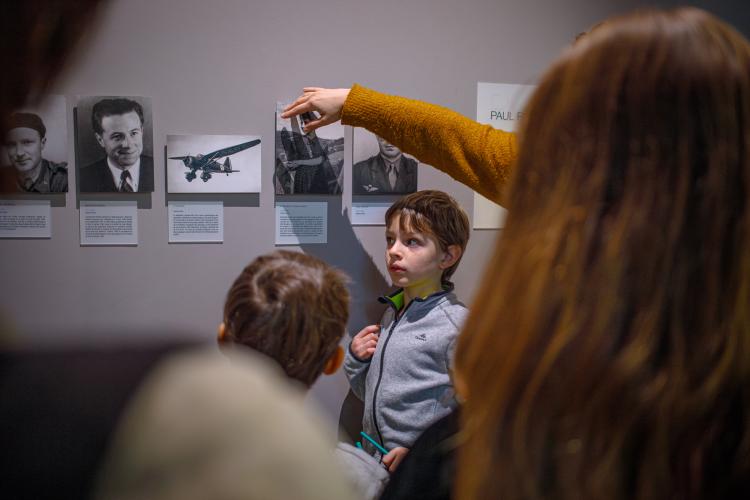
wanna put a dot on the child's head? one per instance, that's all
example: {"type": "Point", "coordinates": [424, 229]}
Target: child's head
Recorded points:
{"type": "Point", "coordinates": [291, 307]}
{"type": "Point", "coordinates": [436, 215]}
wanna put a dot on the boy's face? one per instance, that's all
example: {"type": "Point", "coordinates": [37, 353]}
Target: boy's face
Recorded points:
{"type": "Point", "coordinates": [413, 258]}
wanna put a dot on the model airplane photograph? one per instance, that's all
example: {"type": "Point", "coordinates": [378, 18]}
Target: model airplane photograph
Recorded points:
{"type": "Point", "coordinates": [236, 157]}
{"type": "Point", "coordinates": [208, 163]}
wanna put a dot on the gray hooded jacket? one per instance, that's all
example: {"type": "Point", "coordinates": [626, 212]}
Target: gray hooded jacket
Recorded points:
{"type": "Point", "coordinates": [406, 385]}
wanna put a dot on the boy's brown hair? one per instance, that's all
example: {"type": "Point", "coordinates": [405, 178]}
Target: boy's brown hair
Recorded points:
{"type": "Point", "coordinates": [436, 214]}
{"type": "Point", "coordinates": [292, 307]}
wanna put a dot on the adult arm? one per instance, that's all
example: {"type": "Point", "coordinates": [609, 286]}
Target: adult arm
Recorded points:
{"type": "Point", "coordinates": [479, 156]}
{"type": "Point", "coordinates": [476, 155]}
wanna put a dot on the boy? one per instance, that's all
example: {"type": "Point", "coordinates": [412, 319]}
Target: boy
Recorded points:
{"type": "Point", "coordinates": [404, 378]}
{"type": "Point", "coordinates": [293, 308]}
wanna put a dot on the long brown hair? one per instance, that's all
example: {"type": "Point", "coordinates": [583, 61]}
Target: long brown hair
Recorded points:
{"type": "Point", "coordinates": [607, 354]}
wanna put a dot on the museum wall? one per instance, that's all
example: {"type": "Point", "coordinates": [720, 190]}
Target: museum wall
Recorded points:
{"type": "Point", "coordinates": [219, 68]}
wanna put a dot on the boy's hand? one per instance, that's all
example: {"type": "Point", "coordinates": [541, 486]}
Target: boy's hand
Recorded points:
{"type": "Point", "coordinates": [394, 457]}
{"type": "Point", "coordinates": [365, 342]}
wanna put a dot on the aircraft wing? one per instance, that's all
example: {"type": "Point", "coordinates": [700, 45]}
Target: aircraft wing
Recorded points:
{"type": "Point", "coordinates": [232, 149]}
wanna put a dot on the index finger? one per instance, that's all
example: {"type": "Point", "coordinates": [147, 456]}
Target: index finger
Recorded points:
{"type": "Point", "coordinates": [368, 330]}
{"type": "Point", "coordinates": [296, 108]}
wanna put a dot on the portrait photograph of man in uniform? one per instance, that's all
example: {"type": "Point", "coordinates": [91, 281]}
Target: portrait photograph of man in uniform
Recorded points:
{"type": "Point", "coordinates": [385, 171]}
{"type": "Point", "coordinates": [115, 145]}
{"type": "Point", "coordinates": [35, 146]}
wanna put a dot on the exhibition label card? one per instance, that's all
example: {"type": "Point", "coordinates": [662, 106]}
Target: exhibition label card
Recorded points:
{"type": "Point", "coordinates": [500, 105]}
{"type": "Point", "coordinates": [369, 213]}
{"type": "Point", "coordinates": [196, 222]}
{"type": "Point", "coordinates": [109, 222]}
{"type": "Point", "coordinates": [301, 222]}
{"type": "Point", "coordinates": [25, 219]}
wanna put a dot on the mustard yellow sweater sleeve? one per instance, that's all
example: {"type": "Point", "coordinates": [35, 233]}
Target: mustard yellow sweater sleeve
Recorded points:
{"type": "Point", "coordinates": [476, 155]}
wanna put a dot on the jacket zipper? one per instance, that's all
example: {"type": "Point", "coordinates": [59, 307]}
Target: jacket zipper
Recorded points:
{"type": "Point", "coordinates": [380, 371]}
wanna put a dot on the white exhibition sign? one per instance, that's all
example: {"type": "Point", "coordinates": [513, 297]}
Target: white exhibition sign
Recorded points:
{"type": "Point", "coordinates": [369, 213]}
{"type": "Point", "coordinates": [196, 221]}
{"type": "Point", "coordinates": [500, 105]}
{"type": "Point", "coordinates": [25, 219]}
{"type": "Point", "coordinates": [109, 222]}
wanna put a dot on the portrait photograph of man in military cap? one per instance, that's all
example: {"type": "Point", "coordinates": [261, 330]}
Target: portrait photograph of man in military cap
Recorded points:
{"type": "Point", "coordinates": [35, 148]}
{"type": "Point", "coordinates": [115, 145]}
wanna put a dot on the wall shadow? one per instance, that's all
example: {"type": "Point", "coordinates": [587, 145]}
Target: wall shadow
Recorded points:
{"type": "Point", "coordinates": [346, 252]}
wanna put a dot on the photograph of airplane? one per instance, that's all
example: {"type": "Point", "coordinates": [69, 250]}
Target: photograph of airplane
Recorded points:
{"type": "Point", "coordinates": [208, 163]}
{"type": "Point", "coordinates": [229, 154]}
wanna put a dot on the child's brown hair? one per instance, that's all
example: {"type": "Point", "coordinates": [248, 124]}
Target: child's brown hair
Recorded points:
{"type": "Point", "coordinates": [436, 214]}
{"type": "Point", "coordinates": [292, 307]}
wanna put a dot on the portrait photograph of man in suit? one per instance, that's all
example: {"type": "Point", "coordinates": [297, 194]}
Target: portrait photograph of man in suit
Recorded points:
{"type": "Point", "coordinates": [118, 159]}
{"type": "Point", "coordinates": [388, 171]}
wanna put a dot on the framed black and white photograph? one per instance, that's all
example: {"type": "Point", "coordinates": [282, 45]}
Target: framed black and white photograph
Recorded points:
{"type": "Point", "coordinates": [35, 148]}
{"type": "Point", "coordinates": [307, 163]}
{"type": "Point", "coordinates": [213, 164]}
{"type": "Point", "coordinates": [115, 146]}
{"type": "Point", "coordinates": [379, 167]}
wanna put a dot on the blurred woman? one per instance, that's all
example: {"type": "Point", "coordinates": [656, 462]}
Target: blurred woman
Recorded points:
{"type": "Point", "coordinates": [608, 351]}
